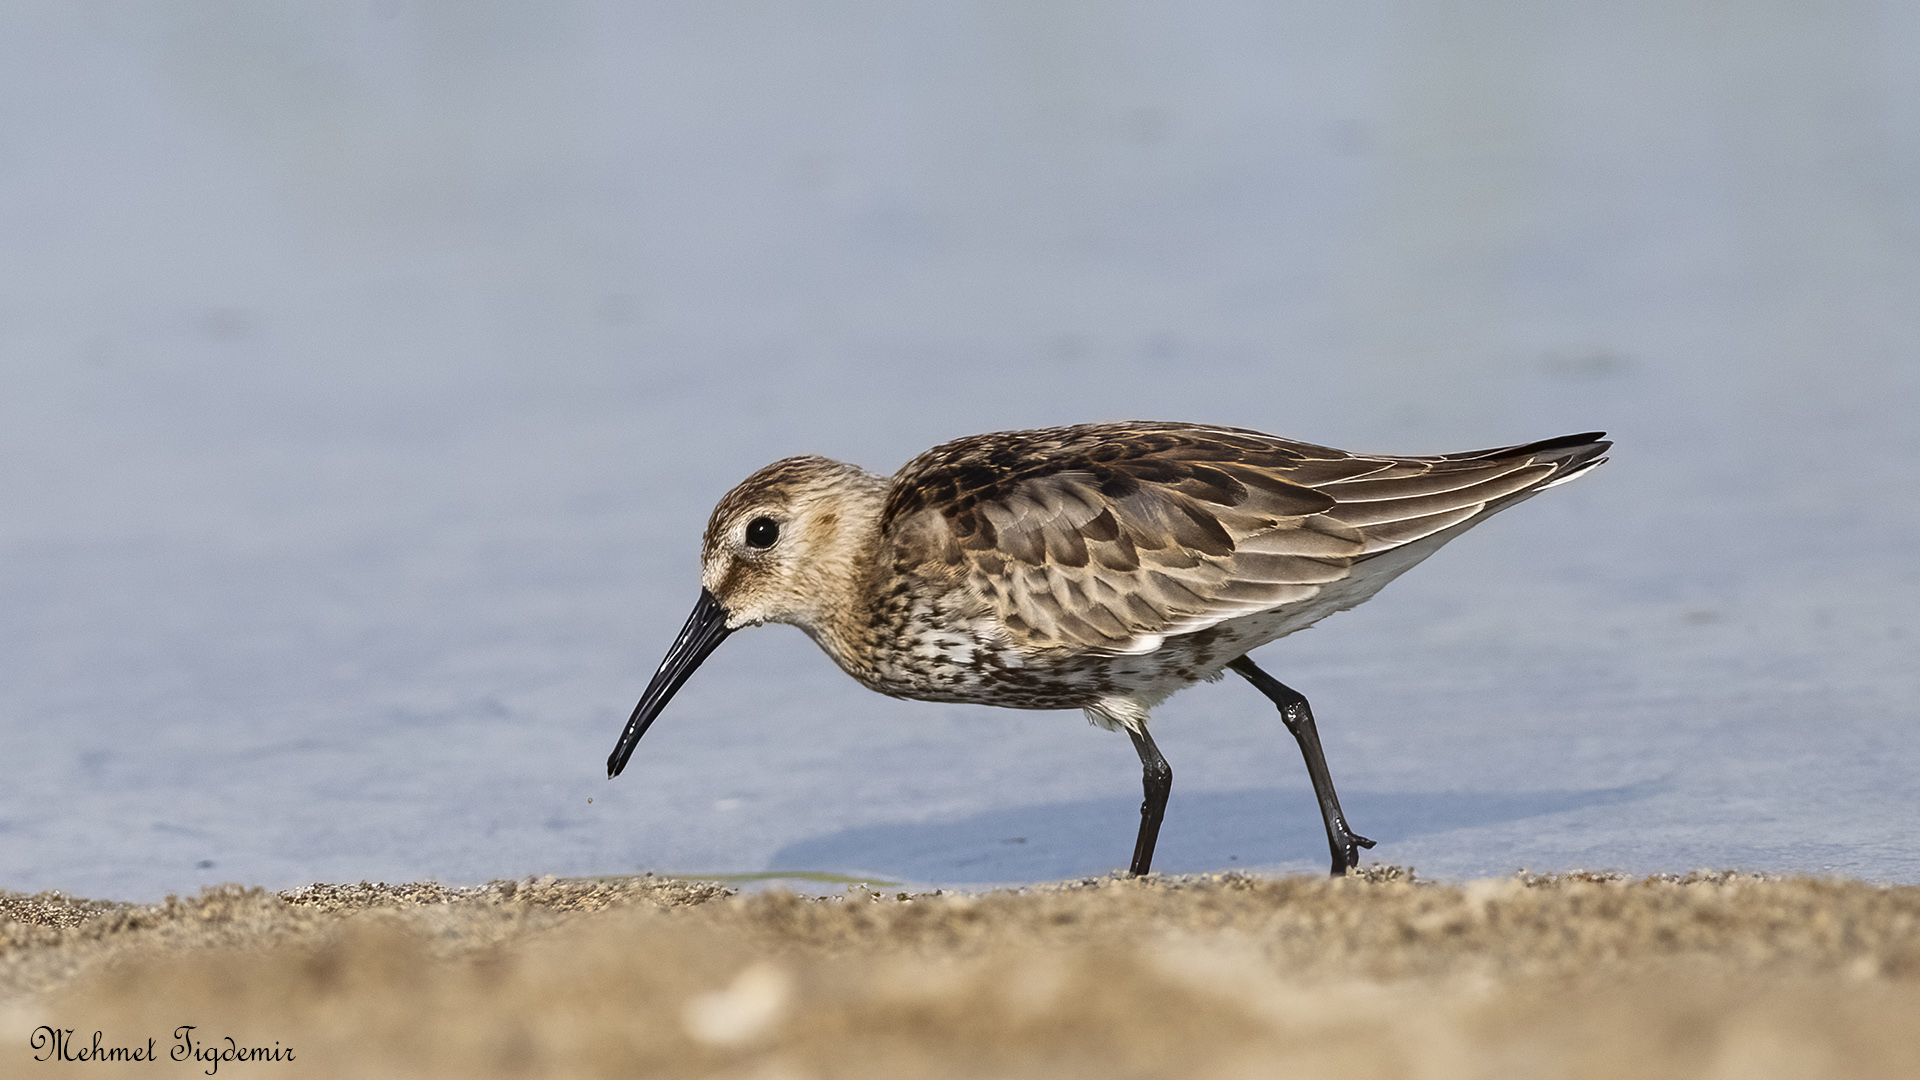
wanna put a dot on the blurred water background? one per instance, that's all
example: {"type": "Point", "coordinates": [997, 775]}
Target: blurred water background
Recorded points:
{"type": "Point", "coordinates": [367, 372]}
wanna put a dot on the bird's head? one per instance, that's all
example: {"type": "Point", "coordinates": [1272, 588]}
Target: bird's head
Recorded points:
{"type": "Point", "coordinates": [783, 546]}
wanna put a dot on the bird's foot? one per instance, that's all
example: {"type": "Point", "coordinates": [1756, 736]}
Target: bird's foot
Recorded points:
{"type": "Point", "coordinates": [1348, 848]}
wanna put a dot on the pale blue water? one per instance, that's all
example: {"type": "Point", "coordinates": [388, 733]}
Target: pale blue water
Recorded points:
{"type": "Point", "coordinates": [368, 375]}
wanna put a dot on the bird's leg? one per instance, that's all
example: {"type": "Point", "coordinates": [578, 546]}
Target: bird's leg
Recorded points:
{"type": "Point", "coordinates": [1298, 716]}
{"type": "Point", "coordinates": [1157, 778]}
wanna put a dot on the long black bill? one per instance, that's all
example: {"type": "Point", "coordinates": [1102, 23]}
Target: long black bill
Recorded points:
{"type": "Point", "coordinates": [706, 628]}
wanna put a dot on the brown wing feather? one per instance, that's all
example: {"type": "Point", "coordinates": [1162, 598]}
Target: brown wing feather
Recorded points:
{"type": "Point", "coordinates": [1113, 536]}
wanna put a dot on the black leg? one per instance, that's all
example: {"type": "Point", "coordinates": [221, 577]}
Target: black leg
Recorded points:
{"type": "Point", "coordinates": [1294, 711]}
{"type": "Point", "coordinates": [1156, 776]}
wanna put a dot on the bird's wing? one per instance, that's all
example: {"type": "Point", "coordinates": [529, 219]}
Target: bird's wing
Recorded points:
{"type": "Point", "coordinates": [1111, 537]}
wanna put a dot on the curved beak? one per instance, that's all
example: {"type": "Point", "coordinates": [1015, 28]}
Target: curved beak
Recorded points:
{"type": "Point", "coordinates": [706, 628]}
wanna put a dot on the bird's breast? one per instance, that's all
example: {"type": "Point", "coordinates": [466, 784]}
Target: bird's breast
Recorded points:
{"type": "Point", "coordinates": [934, 645]}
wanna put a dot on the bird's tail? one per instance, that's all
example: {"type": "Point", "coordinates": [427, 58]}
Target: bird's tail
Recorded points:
{"type": "Point", "coordinates": [1571, 455]}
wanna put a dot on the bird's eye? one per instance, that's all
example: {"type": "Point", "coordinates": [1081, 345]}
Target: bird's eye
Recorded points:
{"type": "Point", "coordinates": [762, 532]}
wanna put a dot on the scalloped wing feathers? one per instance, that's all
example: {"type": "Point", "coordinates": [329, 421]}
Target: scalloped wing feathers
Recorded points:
{"type": "Point", "coordinates": [1112, 537]}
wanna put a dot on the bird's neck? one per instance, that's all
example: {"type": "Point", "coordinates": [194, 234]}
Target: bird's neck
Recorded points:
{"type": "Point", "coordinates": [848, 563]}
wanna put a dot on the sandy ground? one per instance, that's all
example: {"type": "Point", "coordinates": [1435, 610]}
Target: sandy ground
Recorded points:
{"type": "Point", "coordinates": [1711, 975]}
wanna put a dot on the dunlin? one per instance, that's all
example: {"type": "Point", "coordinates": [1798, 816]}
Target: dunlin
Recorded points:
{"type": "Point", "coordinates": [1099, 567]}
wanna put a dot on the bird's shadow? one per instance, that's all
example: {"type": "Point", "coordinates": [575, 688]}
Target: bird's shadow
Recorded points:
{"type": "Point", "coordinates": [1204, 832]}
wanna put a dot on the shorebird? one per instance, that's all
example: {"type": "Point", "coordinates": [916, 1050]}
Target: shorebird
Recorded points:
{"type": "Point", "coordinates": [1099, 567]}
